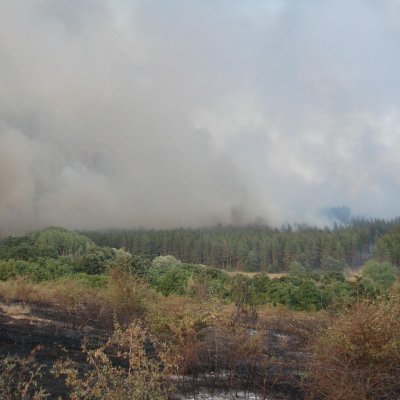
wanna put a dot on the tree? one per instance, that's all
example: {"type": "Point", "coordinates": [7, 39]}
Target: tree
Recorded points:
{"type": "Point", "coordinates": [306, 297]}
{"type": "Point", "coordinates": [387, 247]}
{"type": "Point", "coordinates": [240, 292]}
{"type": "Point", "coordinates": [331, 264]}
{"type": "Point", "coordinates": [381, 273]}
{"type": "Point", "coordinates": [95, 260]}
{"type": "Point", "coordinates": [297, 269]}
{"type": "Point", "coordinates": [252, 262]}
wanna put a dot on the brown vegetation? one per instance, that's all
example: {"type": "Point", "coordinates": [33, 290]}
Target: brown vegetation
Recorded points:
{"type": "Point", "coordinates": [121, 369]}
{"type": "Point", "coordinates": [19, 378]}
{"type": "Point", "coordinates": [358, 356]}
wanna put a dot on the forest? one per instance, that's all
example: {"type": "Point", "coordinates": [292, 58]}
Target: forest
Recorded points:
{"type": "Point", "coordinates": [260, 247]}
{"type": "Point", "coordinates": [113, 294]}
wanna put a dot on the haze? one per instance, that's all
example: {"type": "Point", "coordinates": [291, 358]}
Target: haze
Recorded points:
{"type": "Point", "coordinates": [186, 113]}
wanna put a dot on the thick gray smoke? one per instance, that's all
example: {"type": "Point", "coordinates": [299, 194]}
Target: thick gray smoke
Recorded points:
{"type": "Point", "coordinates": [175, 113]}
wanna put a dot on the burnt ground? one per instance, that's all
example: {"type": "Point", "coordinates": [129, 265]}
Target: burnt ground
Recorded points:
{"type": "Point", "coordinates": [44, 327]}
{"type": "Point", "coordinates": [24, 328]}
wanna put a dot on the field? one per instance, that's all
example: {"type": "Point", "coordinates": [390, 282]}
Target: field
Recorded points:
{"type": "Point", "coordinates": [82, 321]}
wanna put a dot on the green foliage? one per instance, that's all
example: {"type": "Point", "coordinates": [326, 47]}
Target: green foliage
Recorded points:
{"type": "Point", "coordinates": [366, 288]}
{"type": "Point", "coordinates": [306, 287]}
{"type": "Point", "coordinates": [22, 248]}
{"type": "Point", "coordinates": [332, 265]}
{"type": "Point", "coordinates": [306, 296]}
{"type": "Point", "coordinates": [172, 279]}
{"type": "Point", "coordinates": [301, 292]}
{"type": "Point", "coordinates": [387, 247]}
{"type": "Point", "coordinates": [208, 282]}
{"type": "Point", "coordinates": [91, 281]}
{"type": "Point", "coordinates": [40, 270]}
{"type": "Point", "coordinates": [279, 292]}
{"type": "Point", "coordinates": [95, 260]}
{"type": "Point", "coordinates": [240, 290]}
{"type": "Point", "coordinates": [258, 247]}
{"type": "Point", "coordinates": [259, 289]}
{"type": "Point", "coordinates": [296, 269]}
{"type": "Point", "coordinates": [383, 274]}
{"type": "Point", "coordinates": [337, 293]}
{"type": "Point", "coordinates": [50, 268]}
{"type": "Point", "coordinates": [140, 266]}
{"type": "Point", "coordinates": [170, 276]}
{"type": "Point", "coordinates": [56, 241]}
{"type": "Point", "coordinates": [252, 262]}
{"type": "Point", "coordinates": [8, 269]}
{"type": "Point", "coordinates": [50, 242]}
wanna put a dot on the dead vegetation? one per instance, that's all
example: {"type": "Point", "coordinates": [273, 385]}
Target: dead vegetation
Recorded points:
{"type": "Point", "coordinates": [352, 356]}
{"type": "Point", "coordinates": [358, 356]}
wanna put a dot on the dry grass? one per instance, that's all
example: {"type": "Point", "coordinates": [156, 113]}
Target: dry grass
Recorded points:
{"type": "Point", "coordinates": [79, 305]}
{"type": "Point", "coordinates": [253, 274]}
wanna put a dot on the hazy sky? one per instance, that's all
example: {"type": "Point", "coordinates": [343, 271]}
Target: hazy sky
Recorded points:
{"type": "Point", "coordinates": [170, 113]}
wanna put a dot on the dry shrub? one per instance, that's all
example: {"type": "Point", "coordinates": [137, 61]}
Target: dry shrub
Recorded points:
{"type": "Point", "coordinates": [80, 305]}
{"type": "Point", "coordinates": [237, 357]}
{"type": "Point", "coordinates": [209, 350]}
{"type": "Point", "coordinates": [19, 378]}
{"type": "Point", "coordinates": [167, 316]}
{"type": "Point", "coordinates": [122, 369]}
{"type": "Point", "coordinates": [128, 296]}
{"type": "Point", "coordinates": [180, 321]}
{"type": "Point", "coordinates": [123, 300]}
{"type": "Point", "coordinates": [358, 357]}
{"type": "Point", "coordinates": [20, 289]}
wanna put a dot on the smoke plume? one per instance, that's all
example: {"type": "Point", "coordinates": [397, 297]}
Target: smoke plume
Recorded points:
{"type": "Point", "coordinates": [176, 113]}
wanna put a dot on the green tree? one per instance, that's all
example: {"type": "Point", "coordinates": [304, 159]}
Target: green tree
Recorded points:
{"type": "Point", "coordinates": [382, 273]}
{"type": "Point", "coordinates": [95, 260]}
{"type": "Point", "coordinates": [306, 297]}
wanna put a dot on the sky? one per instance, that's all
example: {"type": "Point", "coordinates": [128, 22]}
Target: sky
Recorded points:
{"type": "Point", "coordinates": [170, 113]}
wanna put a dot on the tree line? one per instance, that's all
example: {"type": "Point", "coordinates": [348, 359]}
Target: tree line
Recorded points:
{"type": "Point", "coordinates": [56, 253]}
{"type": "Point", "coordinates": [260, 248]}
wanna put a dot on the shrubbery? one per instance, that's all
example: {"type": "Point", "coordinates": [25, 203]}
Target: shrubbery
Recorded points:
{"type": "Point", "coordinates": [143, 377]}
{"type": "Point", "coordinates": [358, 357]}
{"type": "Point", "coordinates": [19, 378]}
{"type": "Point", "coordinates": [40, 270]}
{"type": "Point", "coordinates": [54, 253]}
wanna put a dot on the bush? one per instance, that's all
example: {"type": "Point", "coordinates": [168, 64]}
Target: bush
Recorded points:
{"type": "Point", "coordinates": [19, 378]}
{"type": "Point", "coordinates": [95, 260]}
{"type": "Point", "coordinates": [91, 281]}
{"type": "Point", "coordinates": [306, 297]}
{"type": "Point", "coordinates": [128, 296]}
{"type": "Point", "coordinates": [43, 269]}
{"type": "Point", "coordinates": [358, 356]}
{"type": "Point", "coordinates": [132, 374]}
{"type": "Point", "coordinates": [382, 273]}
{"type": "Point", "coordinates": [171, 280]}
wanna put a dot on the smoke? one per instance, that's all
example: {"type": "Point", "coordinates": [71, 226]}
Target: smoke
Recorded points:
{"type": "Point", "coordinates": [163, 114]}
